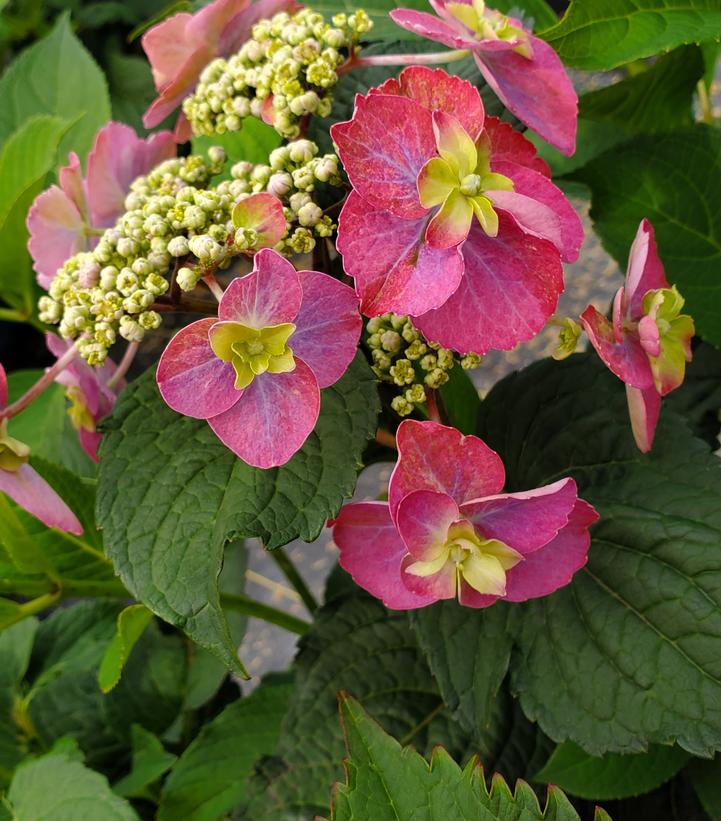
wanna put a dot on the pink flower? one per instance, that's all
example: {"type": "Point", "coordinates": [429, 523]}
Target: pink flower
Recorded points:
{"type": "Point", "coordinates": [256, 372]}
{"type": "Point", "coordinates": [62, 219]}
{"type": "Point", "coordinates": [453, 218]}
{"type": "Point", "coordinates": [181, 46]}
{"type": "Point", "coordinates": [23, 484]}
{"type": "Point", "coordinates": [526, 73]}
{"type": "Point", "coordinates": [447, 531]}
{"type": "Point", "coordinates": [87, 389]}
{"type": "Point", "coordinates": [648, 343]}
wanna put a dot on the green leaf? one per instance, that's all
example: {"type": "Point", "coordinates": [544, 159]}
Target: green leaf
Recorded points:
{"type": "Point", "coordinates": [461, 400]}
{"type": "Point", "coordinates": [595, 35]}
{"type": "Point", "coordinates": [170, 496]}
{"type": "Point", "coordinates": [131, 88]}
{"type": "Point", "coordinates": [56, 76]}
{"type": "Point", "coordinates": [600, 661]}
{"type": "Point", "coordinates": [674, 180]}
{"type": "Point", "coordinates": [386, 782]}
{"type": "Point", "coordinates": [25, 160]}
{"type": "Point", "coordinates": [611, 776]}
{"type": "Point", "coordinates": [658, 99]}
{"type": "Point", "coordinates": [253, 143]}
{"type": "Point", "coordinates": [60, 788]}
{"type": "Point", "coordinates": [699, 398]}
{"type": "Point", "coordinates": [210, 778]}
{"type": "Point", "coordinates": [150, 762]}
{"type": "Point", "coordinates": [131, 625]}
{"type": "Point", "coordinates": [536, 11]}
{"type": "Point", "coordinates": [706, 779]}
{"type": "Point", "coordinates": [592, 139]}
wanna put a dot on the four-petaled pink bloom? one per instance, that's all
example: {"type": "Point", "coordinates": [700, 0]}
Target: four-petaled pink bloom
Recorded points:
{"type": "Point", "coordinates": [648, 342]}
{"type": "Point", "coordinates": [453, 218]}
{"type": "Point", "coordinates": [62, 219]}
{"type": "Point", "coordinates": [524, 71]}
{"type": "Point", "coordinates": [447, 531]}
{"type": "Point", "coordinates": [180, 47]}
{"type": "Point", "coordinates": [256, 372]}
{"type": "Point", "coordinates": [23, 484]}
{"type": "Point", "coordinates": [87, 389]}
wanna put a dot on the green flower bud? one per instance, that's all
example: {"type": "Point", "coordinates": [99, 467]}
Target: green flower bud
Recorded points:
{"type": "Point", "coordinates": [416, 393]}
{"type": "Point", "coordinates": [401, 406]}
{"type": "Point", "coordinates": [178, 247]}
{"type": "Point", "coordinates": [309, 214]}
{"type": "Point", "coordinates": [391, 341]}
{"type": "Point", "coordinates": [471, 361]}
{"type": "Point", "coordinates": [402, 372]}
{"type": "Point", "coordinates": [436, 378]}
{"type": "Point", "coordinates": [131, 330]}
{"type": "Point", "coordinates": [187, 278]}
{"type": "Point", "coordinates": [416, 350]}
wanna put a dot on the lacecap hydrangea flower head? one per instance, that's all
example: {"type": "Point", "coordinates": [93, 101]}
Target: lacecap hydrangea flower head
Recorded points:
{"type": "Point", "coordinates": [647, 343]}
{"type": "Point", "coordinates": [453, 219]}
{"type": "Point", "coordinates": [255, 373]}
{"type": "Point", "coordinates": [448, 532]}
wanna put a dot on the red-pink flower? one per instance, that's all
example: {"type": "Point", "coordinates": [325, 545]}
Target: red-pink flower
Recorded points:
{"type": "Point", "coordinates": [23, 484]}
{"type": "Point", "coordinates": [525, 73]}
{"type": "Point", "coordinates": [63, 219]}
{"type": "Point", "coordinates": [256, 372]}
{"type": "Point", "coordinates": [87, 389]}
{"type": "Point", "coordinates": [181, 46]}
{"type": "Point", "coordinates": [648, 342]}
{"type": "Point", "coordinates": [447, 531]}
{"type": "Point", "coordinates": [453, 219]}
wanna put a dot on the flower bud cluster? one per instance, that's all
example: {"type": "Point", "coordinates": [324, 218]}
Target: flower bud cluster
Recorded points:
{"type": "Point", "coordinates": [284, 72]}
{"type": "Point", "coordinates": [402, 357]}
{"type": "Point", "coordinates": [292, 174]}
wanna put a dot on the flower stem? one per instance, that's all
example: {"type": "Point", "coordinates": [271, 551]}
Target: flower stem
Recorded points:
{"type": "Point", "coordinates": [213, 286]}
{"type": "Point", "coordinates": [704, 102]}
{"type": "Point", "coordinates": [250, 607]}
{"type": "Point", "coordinates": [124, 364]}
{"type": "Point", "coordinates": [434, 412]}
{"type": "Point", "coordinates": [291, 573]}
{"type": "Point", "coordinates": [428, 59]}
{"type": "Point", "coordinates": [44, 382]}
{"type": "Point", "coordinates": [32, 608]}
{"type": "Point", "coordinates": [386, 438]}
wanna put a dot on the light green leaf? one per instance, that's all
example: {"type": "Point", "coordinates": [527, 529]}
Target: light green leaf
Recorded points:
{"type": "Point", "coordinates": [210, 778]}
{"type": "Point", "coordinates": [131, 625]}
{"type": "Point", "coordinates": [594, 35]}
{"type": "Point", "coordinates": [150, 762]}
{"type": "Point", "coordinates": [56, 76]}
{"type": "Point", "coordinates": [253, 143]}
{"type": "Point", "coordinates": [674, 180]}
{"type": "Point", "coordinates": [387, 782]}
{"type": "Point", "coordinates": [171, 495]}
{"type": "Point", "coordinates": [611, 776]}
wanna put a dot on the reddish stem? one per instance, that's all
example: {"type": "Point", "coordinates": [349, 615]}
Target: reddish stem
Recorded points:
{"type": "Point", "coordinates": [429, 59]}
{"type": "Point", "coordinates": [434, 412]}
{"type": "Point", "coordinates": [44, 382]}
{"type": "Point", "coordinates": [386, 438]}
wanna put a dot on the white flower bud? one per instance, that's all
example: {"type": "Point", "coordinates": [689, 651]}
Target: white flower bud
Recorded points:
{"type": "Point", "coordinates": [279, 184]}
{"type": "Point", "coordinates": [178, 247]}
{"type": "Point", "coordinates": [309, 214]}
{"type": "Point", "coordinates": [187, 279]}
{"type": "Point", "coordinates": [131, 330]}
{"type": "Point", "coordinates": [205, 247]}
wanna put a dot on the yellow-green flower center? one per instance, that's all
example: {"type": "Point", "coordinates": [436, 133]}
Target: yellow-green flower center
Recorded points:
{"type": "Point", "coordinates": [675, 330]}
{"type": "Point", "coordinates": [13, 454]}
{"type": "Point", "coordinates": [488, 24]}
{"type": "Point", "coordinates": [253, 351]}
{"type": "Point", "coordinates": [79, 413]}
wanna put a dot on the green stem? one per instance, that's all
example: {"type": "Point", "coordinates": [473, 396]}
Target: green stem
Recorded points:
{"type": "Point", "coordinates": [291, 573]}
{"type": "Point", "coordinates": [251, 607]}
{"type": "Point", "coordinates": [12, 315]}
{"type": "Point", "coordinates": [704, 102]}
{"type": "Point", "coordinates": [32, 608]}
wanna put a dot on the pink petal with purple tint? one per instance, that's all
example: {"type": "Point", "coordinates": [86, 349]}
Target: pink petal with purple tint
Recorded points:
{"type": "Point", "coordinates": [393, 267]}
{"type": "Point", "coordinates": [3, 388]}
{"type": "Point", "coordinates": [439, 586]}
{"type": "Point", "coordinates": [270, 295]}
{"type": "Point", "coordinates": [90, 442]}
{"type": "Point", "coordinates": [432, 28]}
{"type": "Point", "coordinates": [383, 148]}
{"type": "Point", "coordinates": [423, 519]}
{"type": "Point", "coordinates": [510, 287]}
{"type": "Point", "coordinates": [70, 177]}
{"type": "Point", "coordinates": [644, 407]}
{"type": "Point", "coordinates": [644, 272]}
{"type": "Point", "coordinates": [328, 326]}
{"type": "Point", "coordinates": [509, 145]}
{"type": "Point", "coordinates": [437, 90]}
{"type": "Point", "coordinates": [191, 378]}
{"type": "Point", "coordinates": [29, 490]}
{"type": "Point", "coordinates": [372, 551]}
{"type": "Point", "coordinates": [524, 521]}
{"type": "Point", "coordinates": [625, 358]}
{"type": "Point", "coordinates": [439, 458]}
{"type": "Point", "coordinates": [275, 415]}
{"type": "Point", "coordinates": [538, 90]}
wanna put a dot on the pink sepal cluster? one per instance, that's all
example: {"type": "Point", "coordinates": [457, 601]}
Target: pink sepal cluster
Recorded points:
{"type": "Point", "coordinates": [181, 46]}
{"type": "Point", "coordinates": [62, 218]}
{"type": "Point", "coordinates": [445, 484]}
{"type": "Point", "coordinates": [646, 344]}
{"type": "Point", "coordinates": [482, 292]}
{"type": "Point", "coordinates": [28, 489]}
{"type": "Point", "coordinates": [265, 423]}
{"type": "Point", "coordinates": [533, 84]}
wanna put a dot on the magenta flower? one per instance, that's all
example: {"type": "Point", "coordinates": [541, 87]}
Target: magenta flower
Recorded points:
{"type": "Point", "coordinates": [648, 342]}
{"type": "Point", "coordinates": [524, 71]}
{"type": "Point", "coordinates": [87, 389]}
{"type": "Point", "coordinates": [63, 219]}
{"type": "Point", "coordinates": [23, 484]}
{"type": "Point", "coordinates": [255, 373]}
{"type": "Point", "coordinates": [452, 218]}
{"type": "Point", "coordinates": [447, 531]}
{"type": "Point", "coordinates": [181, 46]}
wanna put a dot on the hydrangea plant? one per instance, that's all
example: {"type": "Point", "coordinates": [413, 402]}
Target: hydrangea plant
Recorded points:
{"type": "Point", "coordinates": [306, 250]}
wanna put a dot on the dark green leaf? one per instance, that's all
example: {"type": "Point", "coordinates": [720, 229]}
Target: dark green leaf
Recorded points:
{"type": "Point", "coordinates": [461, 400]}
{"type": "Point", "coordinates": [211, 776]}
{"type": "Point", "coordinates": [611, 776]}
{"type": "Point", "coordinates": [706, 779]}
{"type": "Point", "coordinates": [674, 180]}
{"type": "Point", "coordinates": [15, 647]}
{"type": "Point", "coordinates": [595, 35]}
{"type": "Point", "coordinates": [131, 88]}
{"type": "Point", "coordinates": [171, 495]}
{"type": "Point", "coordinates": [150, 762]}
{"type": "Point", "coordinates": [699, 398]}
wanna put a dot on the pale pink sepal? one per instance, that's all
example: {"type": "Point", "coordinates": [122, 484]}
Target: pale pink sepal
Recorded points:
{"type": "Point", "coordinates": [263, 213]}
{"type": "Point", "coordinates": [644, 408]}
{"type": "Point", "coordinates": [644, 272]}
{"type": "Point", "coordinates": [28, 489]}
{"type": "Point", "coordinates": [423, 519]}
